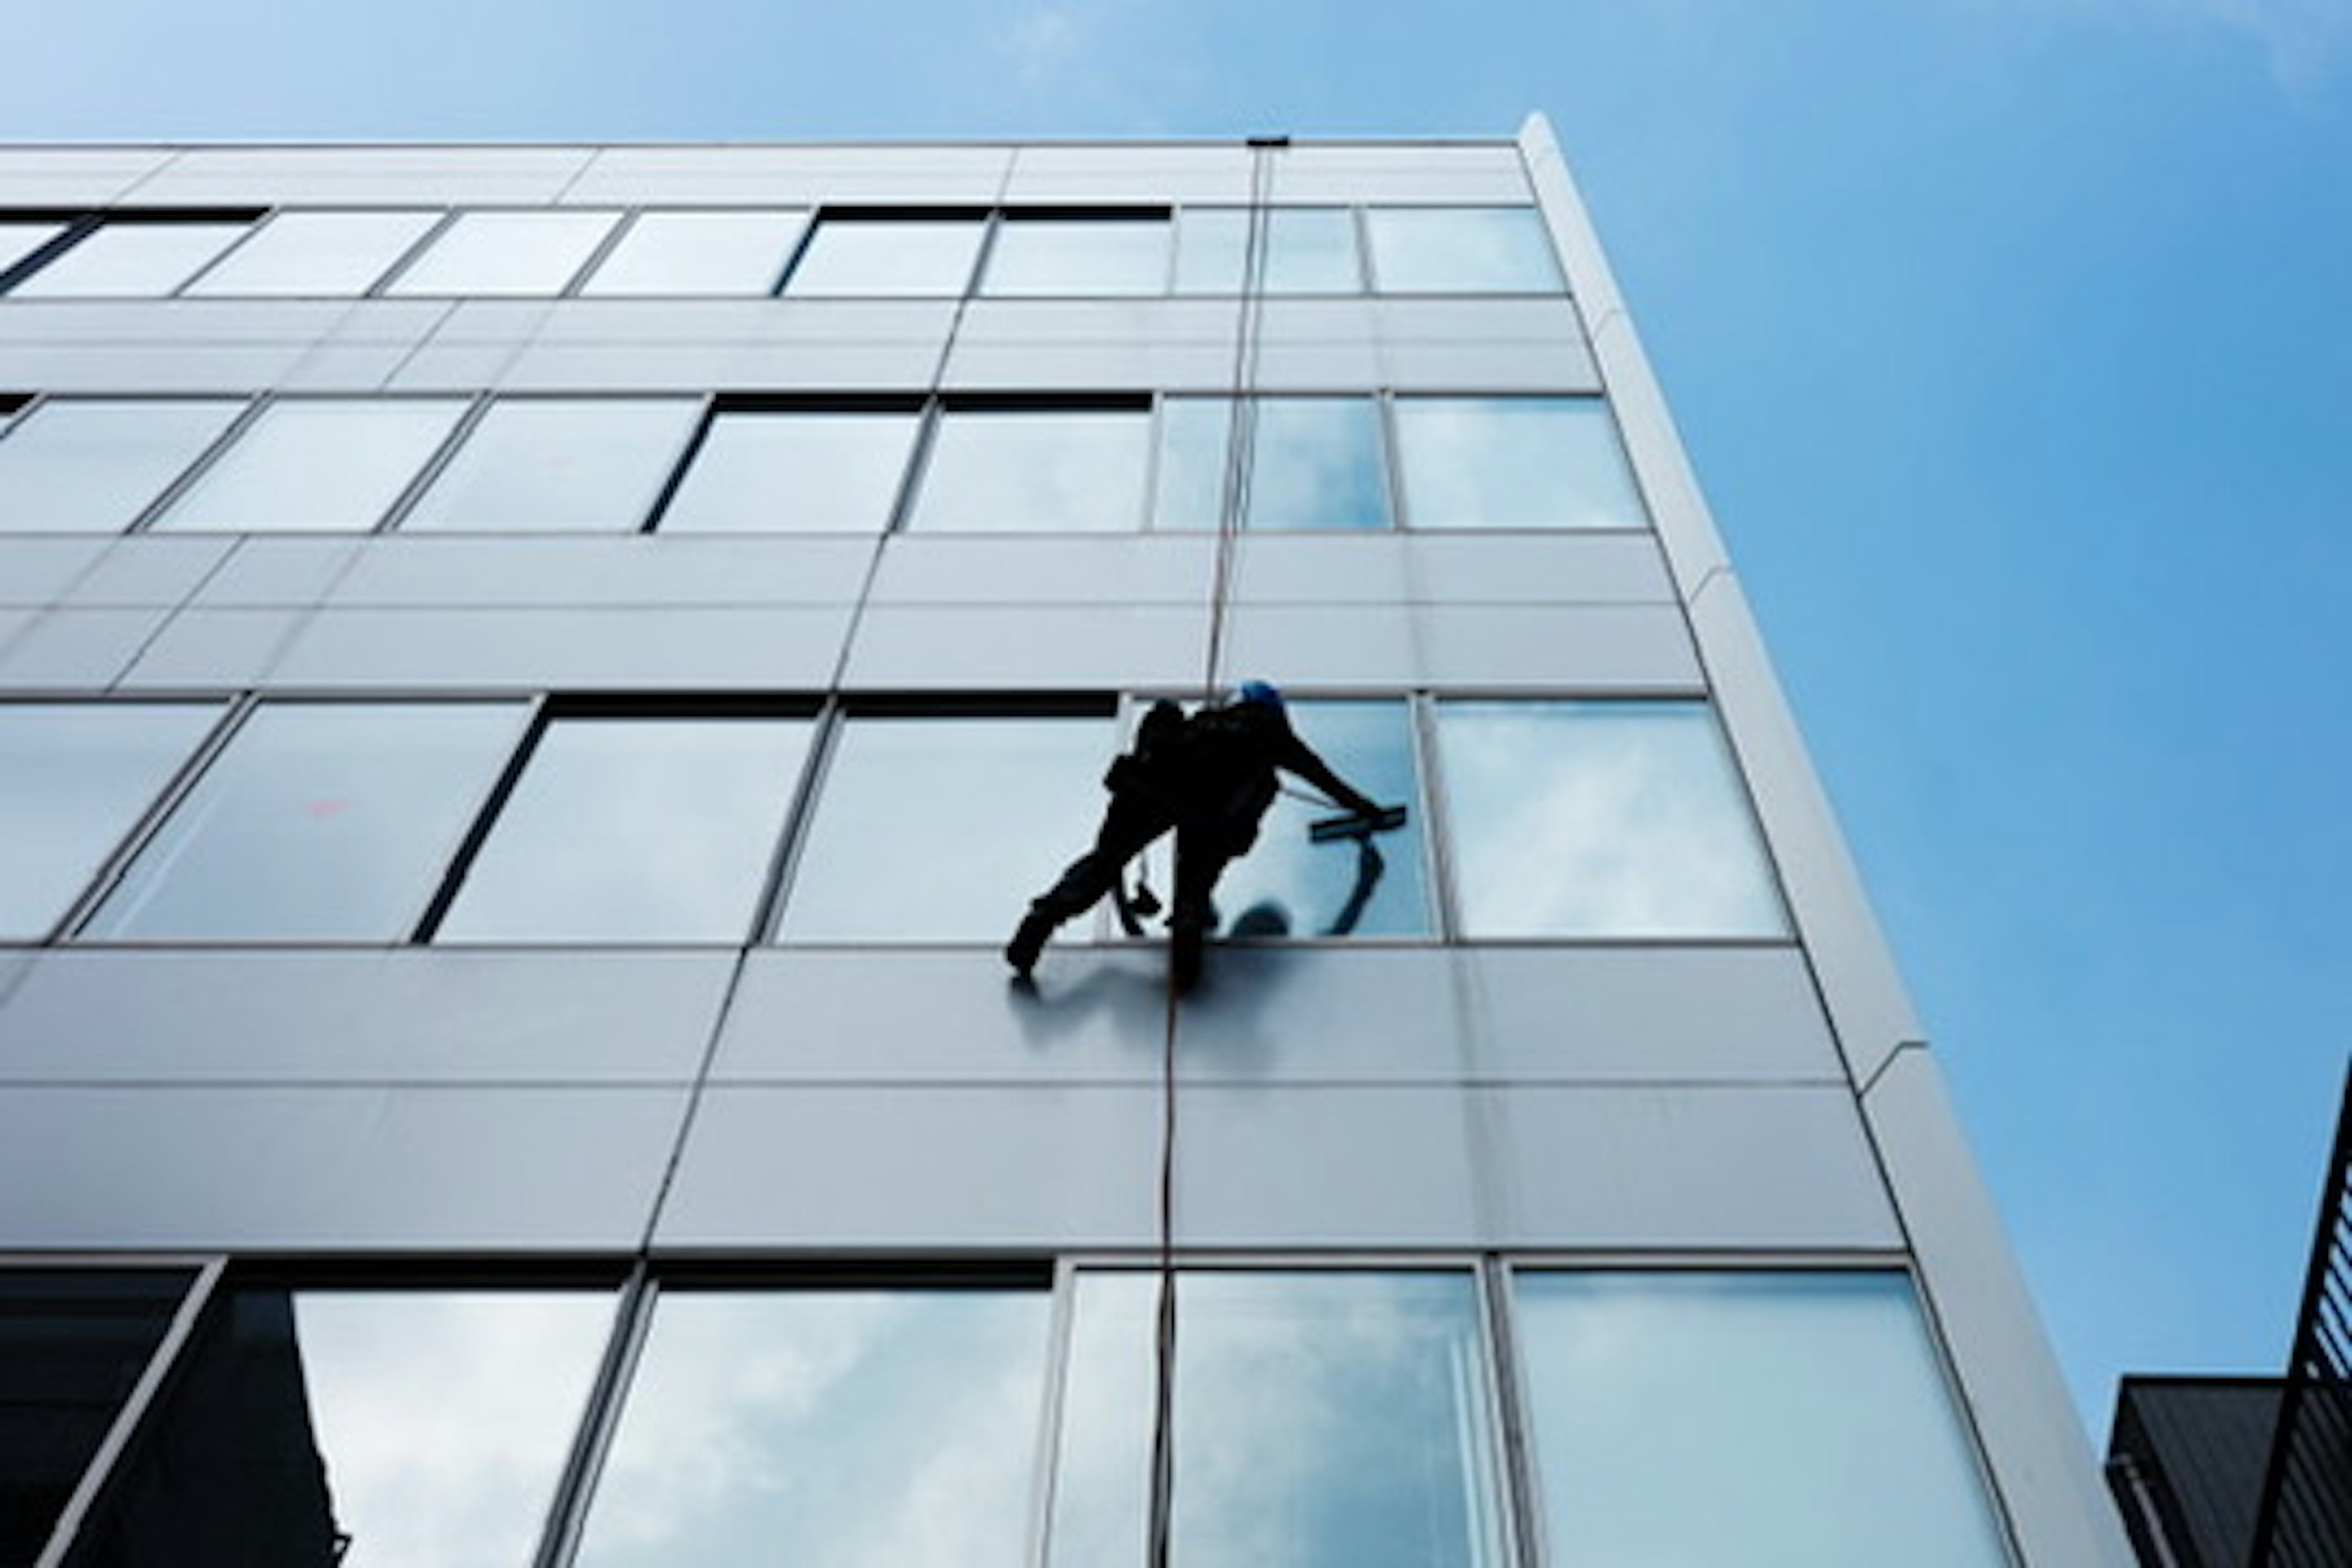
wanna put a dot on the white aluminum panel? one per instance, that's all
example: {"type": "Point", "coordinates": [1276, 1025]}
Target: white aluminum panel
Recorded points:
{"type": "Point", "coordinates": [1337, 568]}
{"type": "Point", "coordinates": [219, 650]}
{"type": "Point", "coordinates": [1476, 174]}
{"type": "Point", "coordinates": [65, 364]}
{"type": "Point", "coordinates": [1213, 173]}
{"type": "Point", "coordinates": [696, 345]}
{"type": "Point", "coordinates": [956, 175]}
{"type": "Point", "coordinates": [1684, 1167]}
{"type": "Point", "coordinates": [1538, 568]}
{"type": "Point", "coordinates": [77, 648]}
{"type": "Point", "coordinates": [1032, 647]}
{"type": "Point", "coordinates": [2009, 1380]}
{"type": "Point", "coordinates": [409, 1016]}
{"type": "Point", "coordinates": [612, 571]}
{"type": "Point", "coordinates": [1588, 647]}
{"type": "Point", "coordinates": [896, 1168]}
{"type": "Point", "coordinates": [14, 624]}
{"type": "Point", "coordinates": [75, 176]}
{"type": "Point", "coordinates": [365, 177]}
{"type": "Point", "coordinates": [1179, 344]}
{"type": "Point", "coordinates": [278, 572]}
{"type": "Point", "coordinates": [631, 649]}
{"type": "Point", "coordinates": [36, 571]}
{"type": "Point", "coordinates": [1337, 647]}
{"type": "Point", "coordinates": [1657, 1014]}
{"type": "Point", "coordinates": [1483, 345]}
{"type": "Point", "coordinates": [1284, 1013]}
{"type": "Point", "coordinates": [332, 1170]}
{"type": "Point", "coordinates": [936, 569]}
{"type": "Point", "coordinates": [157, 569]}
{"type": "Point", "coordinates": [1390, 1166]}
{"type": "Point", "coordinates": [1316, 345]}
{"type": "Point", "coordinates": [1094, 1014]}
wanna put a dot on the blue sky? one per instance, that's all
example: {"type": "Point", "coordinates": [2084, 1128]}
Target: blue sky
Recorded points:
{"type": "Point", "coordinates": [2010, 340]}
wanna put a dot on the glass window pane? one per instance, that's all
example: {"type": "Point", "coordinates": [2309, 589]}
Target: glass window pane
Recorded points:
{"type": "Point", "coordinates": [1189, 490]}
{"type": "Point", "coordinates": [1316, 463]}
{"type": "Point", "coordinates": [634, 829]}
{"type": "Point", "coordinates": [321, 822]}
{"type": "Point", "coordinates": [1079, 256]}
{"type": "Point", "coordinates": [366, 1428]}
{"type": "Point", "coordinates": [1461, 250]}
{"type": "Point", "coordinates": [329, 465]}
{"type": "Point", "coordinates": [338, 255]}
{"type": "Point", "coordinates": [1029, 470]}
{"type": "Point", "coordinates": [74, 779]}
{"type": "Point", "coordinates": [143, 259]}
{"type": "Point", "coordinates": [559, 463]}
{"type": "Point", "coordinates": [931, 257]}
{"type": "Point", "coordinates": [93, 465]}
{"type": "Point", "coordinates": [507, 253]}
{"type": "Point", "coordinates": [700, 253]}
{"type": "Point", "coordinates": [19, 241]}
{"type": "Point", "coordinates": [1600, 819]}
{"type": "Point", "coordinates": [1311, 251]}
{"type": "Point", "coordinates": [1321, 1418]}
{"type": "Point", "coordinates": [1288, 885]}
{"type": "Point", "coordinates": [1748, 1417]}
{"type": "Point", "coordinates": [1212, 250]}
{"type": "Point", "coordinates": [943, 829]}
{"type": "Point", "coordinates": [846, 1428]}
{"type": "Point", "coordinates": [73, 1344]}
{"type": "Point", "coordinates": [798, 472]}
{"type": "Point", "coordinates": [1514, 462]}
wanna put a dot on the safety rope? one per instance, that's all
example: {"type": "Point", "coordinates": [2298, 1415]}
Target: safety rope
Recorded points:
{"type": "Point", "coordinates": [1241, 436]}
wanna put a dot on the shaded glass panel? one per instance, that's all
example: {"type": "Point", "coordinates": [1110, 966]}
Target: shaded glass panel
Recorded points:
{"type": "Point", "coordinates": [1336, 1419]}
{"type": "Point", "coordinates": [1514, 462]}
{"type": "Point", "coordinates": [1600, 819]}
{"type": "Point", "coordinates": [1006, 470]}
{"type": "Point", "coordinates": [943, 829]}
{"type": "Point", "coordinates": [559, 464]}
{"type": "Point", "coordinates": [73, 1344]}
{"type": "Point", "coordinates": [1188, 491]}
{"type": "Point", "coordinates": [1212, 250]}
{"type": "Point", "coordinates": [326, 465]}
{"type": "Point", "coordinates": [1316, 463]}
{"type": "Point", "coordinates": [929, 256]}
{"type": "Point", "coordinates": [372, 1429]}
{"type": "Point", "coordinates": [700, 253]}
{"type": "Point", "coordinates": [325, 822]}
{"type": "Point", "coordinates": [1747, 1417]}
{"type": "Point", "coordinates": [333, 254]}
{"type": "Point", "coordinates": [847, 1429]}
{"type": "Point", "coordinates": [74, 779]}
{"type": "Point", "coordinates": [1034, 257]}
{"type": "Point", "coordinates": [506, 253]}
{"type": "Point", "coordinates": [93, 465]}
{"type": "Point", "coordinates": [634, 829]}
{"type": "Point", "coordinates": [19, 241]}
{"type": "Point", "coordinates": [142, 259]}
{"type": "Point", "coordinates": [1311, 251]}
{"type": "Point", "coordinates": [1461, 250]}
{"type": "Point", "coordinates": [797, 472]}
{"type": "Point", "coordinates": [1289, 885]}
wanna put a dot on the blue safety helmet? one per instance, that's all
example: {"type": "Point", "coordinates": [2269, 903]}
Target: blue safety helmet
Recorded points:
{"type": "Point", "coordinates": [1264, 692]}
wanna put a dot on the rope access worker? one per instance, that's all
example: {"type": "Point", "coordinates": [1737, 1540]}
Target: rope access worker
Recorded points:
{"type": "Point", "coordinates": [1210, 777]}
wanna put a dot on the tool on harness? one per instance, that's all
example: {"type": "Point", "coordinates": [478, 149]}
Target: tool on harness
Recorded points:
{"type": "Point", "coordinates": [1357, 824]}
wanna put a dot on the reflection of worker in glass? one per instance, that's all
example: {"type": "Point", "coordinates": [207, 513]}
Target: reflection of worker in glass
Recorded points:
{"type": "Point", "coordinates": [1211, 777]}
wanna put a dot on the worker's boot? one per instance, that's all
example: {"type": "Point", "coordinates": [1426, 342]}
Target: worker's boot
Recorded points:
{"type": "Point", "coordinates": [1028, 942]}
{"type": "Point", "coordinates": [1188, 934]}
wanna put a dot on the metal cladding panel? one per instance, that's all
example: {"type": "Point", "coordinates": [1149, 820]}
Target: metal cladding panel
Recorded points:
{"type": "Point", "coordinates": [958, 174]}
{"type": "Point", "coordinates": [401, 1016]}
{"type": "Point", "coordinates": [1386, 1166]}
{"type": "Point", "coordinates": [604, 648]}
{"type": "Point", "coordinates": [901, 1168]}
{"type": "Point", "coordinates": [1450, 568]}
{"type": "Point", "coordinates": [1500, 346]}
{"type": "Point", "coordinates": [333, 1169]}
{"type": "Point", "coordinates": [62, 363]}
{"type": "Point", "coordinates": [1028, 647]}
{"type": "Point", "coordinates": [148, 570]}
{"type": "Point", "coordinates": [76, 176]}
{"type": "Point", "coordinates": [265, 573]}
{"type": "Point", "coordinates": [219, 649]}
{"type": "Point", "coordinates": [1665, 1166]}
{"type": "Point", "coordinates": [1477, 174]}
{"type": "Point", "coordinates": [1128, 173]}
{"type": "Point", "coordinates": [1646, 1014]}
{"type": "Point", "coordinates": [584, 571]}
{"type": "Point", "coordinates": [38, 570]}
{"type": "Point", "coordinates": [1178, 344]}
{"type": "Point", "coordinates": [2007, 1373]}
{"type": "Point", "coordinates": [1036, 569]}
{"type": "Point", "coordinates": [364, 177]}
{"type": "Point", "coordinates": [911, 1015]}
{"type": "Point", "coordinates": [1635, 648]}
{"type": "Point", "coordinates": [696, 346]}
{"type": "Point", "coordinates": [77, 648]}
{"type": "Point", "coordinates": [1338, 1014]}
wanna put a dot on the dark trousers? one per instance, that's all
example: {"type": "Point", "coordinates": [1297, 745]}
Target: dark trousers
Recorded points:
{"type": "Point", "coordinates": [1131, 822]}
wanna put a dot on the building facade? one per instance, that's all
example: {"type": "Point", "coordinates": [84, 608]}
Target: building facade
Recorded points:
{"type": "Point", "coordinates": [534, 684]}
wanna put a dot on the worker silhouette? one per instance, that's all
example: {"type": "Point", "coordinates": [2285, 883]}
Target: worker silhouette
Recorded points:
{"type": "Point", "coordinates": [1210, 777]}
